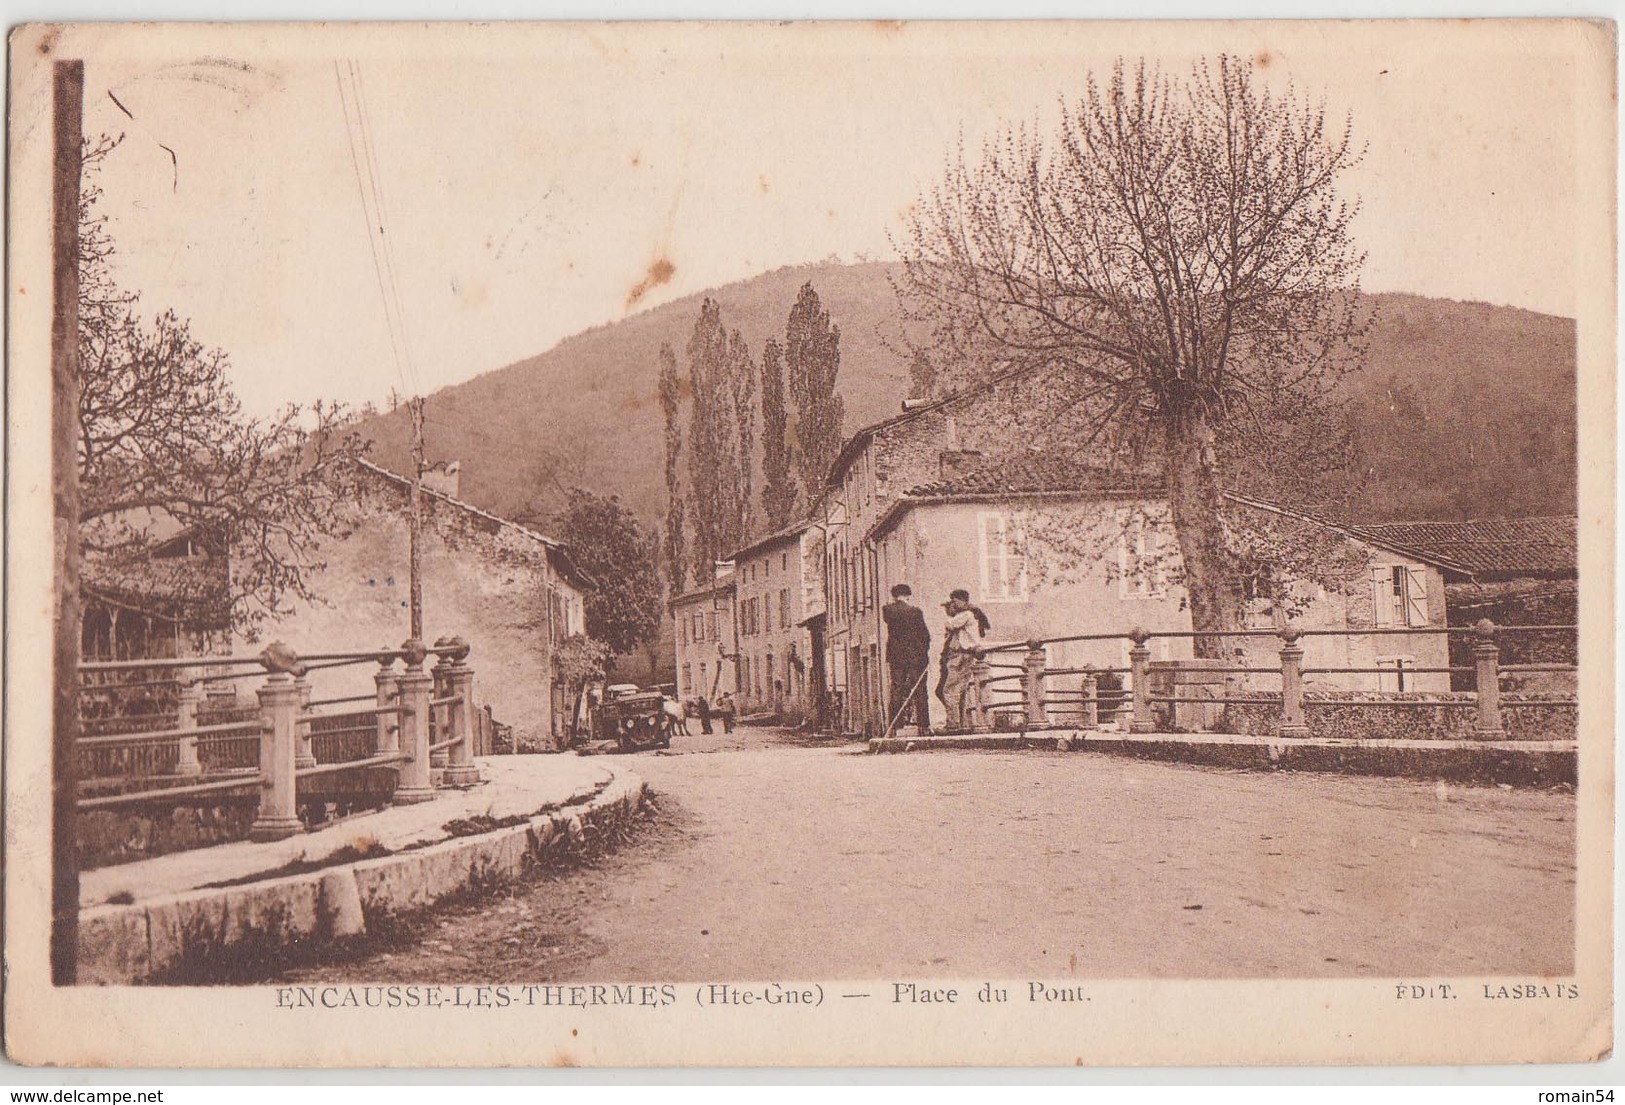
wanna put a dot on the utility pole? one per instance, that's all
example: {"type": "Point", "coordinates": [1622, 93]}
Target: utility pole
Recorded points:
{"type": "Point", "coordinates": [416, 597]}
{"type": "Point", "coordinates": [68, 110]}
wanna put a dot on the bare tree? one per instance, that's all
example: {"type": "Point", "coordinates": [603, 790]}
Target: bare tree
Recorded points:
{"type": "Point", "coordinates": [163, 443]}
{"type": "Point", "coordinates": [1179, 257]}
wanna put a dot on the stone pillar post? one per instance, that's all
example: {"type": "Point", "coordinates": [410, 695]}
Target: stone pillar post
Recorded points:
{"type": "Point", "coordinates": [439, 730]}
{"type": "Point", "coordinates": [279, 710]}
{"type": "Point", "coordinates": [1091, 700]}
{"type": "Point", "coordinates": [186, 707]}
{"type": "Point", "coordinates": [1487, 659]}
{"type": "Point", "coordinates": [303, 754]}
{"type": "Point", "coordinates": [389, 732]}
{"type": "Point", "coordinates": [415, 684]}
{"type": "Point", "coordinates": [979, 702]}
{"type": "Point", "coordinates": [1292, 724]}
{"type": "Point", "coordinates": [1139, 661]}
{"type": "Point", "coordinates": [460, 769]}
{"type": "Point", "coordinates": [1033, 683]}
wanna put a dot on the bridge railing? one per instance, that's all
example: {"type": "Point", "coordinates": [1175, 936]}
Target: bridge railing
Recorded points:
{"type": "Point", "coordinates": [1016, 679]}
{"type": "Point", "coordinates": [171, 744]}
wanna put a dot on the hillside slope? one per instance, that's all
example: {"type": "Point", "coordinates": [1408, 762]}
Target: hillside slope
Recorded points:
{"type": "Point", "coordinates": [1463, 410]}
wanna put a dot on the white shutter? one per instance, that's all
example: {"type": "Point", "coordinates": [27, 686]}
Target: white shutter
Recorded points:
{"type": "Point", "coordinates": [1382, 597]}
{"type": "Point", "coordinates": [992, 535]}
{"type": "Point", "coordinates": [1416, 597]}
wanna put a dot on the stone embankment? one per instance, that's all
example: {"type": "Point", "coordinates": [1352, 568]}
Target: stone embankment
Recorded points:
{"type": "Point", "coordinates": [189, 916]}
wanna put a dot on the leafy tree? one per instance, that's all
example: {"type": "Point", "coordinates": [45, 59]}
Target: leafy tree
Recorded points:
{"type": "Point", "coordinates": [676, 544]}
{"type": "Point", "coordinates": [778, 482]}
{"type": "Point", "coordinates": [742, 386]}
{"type": "Point", "coordinates": [721, 453]}
{"type": "Point", "coordinates": [163, 442]}
{"type": "Point", "coordinates": [1178, 259]}
{"type": "Point", "coordinates": [605, 538]}
{"type": "Point", "coordinates": [812, 354]}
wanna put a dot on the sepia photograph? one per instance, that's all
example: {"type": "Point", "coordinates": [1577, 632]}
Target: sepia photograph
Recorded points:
{"type": "Point", "coordinates": [810, 544]}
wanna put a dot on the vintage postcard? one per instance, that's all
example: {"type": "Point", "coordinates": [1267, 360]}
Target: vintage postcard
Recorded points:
{"type": "Point", "coordinates": [810, 544]}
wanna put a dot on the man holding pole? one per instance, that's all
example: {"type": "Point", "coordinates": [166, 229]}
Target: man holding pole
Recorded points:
{"type": "Point", "coordinates": [908, 655]}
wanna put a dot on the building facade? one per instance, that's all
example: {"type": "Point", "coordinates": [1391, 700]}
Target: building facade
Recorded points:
{"type": "Point", "coordinates": [707, 645]}
{"type": "Point", "coordinates": [779, 585]}
{"type": "Point", "coordinates": [513, 594]}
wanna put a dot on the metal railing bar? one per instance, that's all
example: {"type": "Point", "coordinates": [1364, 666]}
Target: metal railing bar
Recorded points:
{"type": "Point", "coordinates": [1407, 670]}
{"type": "Point", "coordinates": [170, 663]}
{"type": "Point", "coordinates": [236, 783]}
{"type": "Point", "coordinates": [342, 701]}
{"type": "Point", "coordinates": [446, 701]}
{"type": "Point", "coordinates": [441, 746]}
{"type": "Point", "coordinates": [173, 734]}
{"type": "Point", "coordinates": [345, 731]}
{"type": "Point", "coordinates": [1568, 669]}
{"type": "Point", "coordinates": [382, 760]}
{"type": "Point", "coordinates": [1216, 701]}
{"type": "Point", "coordinates": [87, 688]}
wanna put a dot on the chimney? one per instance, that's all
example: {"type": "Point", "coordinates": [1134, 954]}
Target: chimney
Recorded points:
{"type": "Point", "coordinates": [954, 463]}
{"type": "Point", "coordinates": [444, 476]}
{"type": "Point", "coordinates": [915, 404]}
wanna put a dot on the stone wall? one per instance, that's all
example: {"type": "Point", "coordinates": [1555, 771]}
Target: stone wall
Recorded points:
{"type": "Point", "coordinates": [482, 580]}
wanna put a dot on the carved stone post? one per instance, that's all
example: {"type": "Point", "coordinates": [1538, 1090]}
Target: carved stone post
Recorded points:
{"type": "Point", "coordinates": [1091, 700]}
{"type": "Point", "coordinates": [1033, 682]}
{"type": "Point", "coordinates": [440, 731]}
{"type": "Point", "coordinates": [304, 756]}
{"type": "Point", "coordinates": [460, 769]}
{"type": "Point", "coordinates": [1292, 724]}
{"type": "Point", "coordinates": [1487, 659]}
{"type": "Point", "coordinates": [389, 732]}
{"type": "Point", "coordinates": [186, 707]}
{"type": "Point", "coordinates": [415, 782]}
{"type": "Point", "coordinates": [979, 707]}
{"type": "Point", "coordinates": [1139, 663]}
{"type": "Point", "coordinates": [279, 709]}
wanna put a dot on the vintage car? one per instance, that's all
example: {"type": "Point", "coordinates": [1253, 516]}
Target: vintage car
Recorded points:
{"type": "Point", "coordinates": [632, 718]}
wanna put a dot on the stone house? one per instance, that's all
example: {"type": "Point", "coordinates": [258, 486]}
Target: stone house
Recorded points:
{"type": "Point", "coordinates": [513, 594]}
{"type": "Point", "coordinates": [706, 637]}
{"type": "Point", "coordinates": [1513, 571]}
{"type": "Point", "coordinates": [779, 588]}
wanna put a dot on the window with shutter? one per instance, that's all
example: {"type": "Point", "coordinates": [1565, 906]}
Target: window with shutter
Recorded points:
{"type": "Point", "coordinates": [1382, 597]}
{"type": "Point", "coordinates": [1416, 597]}
{"type": "Point", "coordinates": [1004, 563]}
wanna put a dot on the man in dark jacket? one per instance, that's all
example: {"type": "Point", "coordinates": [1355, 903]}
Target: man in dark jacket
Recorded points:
{"type": "Point", "coordinates": [908, 655]}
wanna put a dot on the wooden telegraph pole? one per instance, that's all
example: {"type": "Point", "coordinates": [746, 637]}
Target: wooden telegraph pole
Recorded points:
{"type": "Point", "coordinates": [68, 98]}
{"type": "Point", "coordinates": [416, 572]}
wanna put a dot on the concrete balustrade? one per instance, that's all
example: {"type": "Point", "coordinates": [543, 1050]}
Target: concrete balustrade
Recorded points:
{"type": "Point", "coordinates": [1091, 700]}
{"type": "Point", "coordinates": [1139, 662]}
{"type": "Point", "coordinates": [459, 677]}
{"type": "Point", "coordinates": [1033, 683]}
{"type": "Point", "coordinates": [186, 710]}
{"type": "Point", "coordinates": [280, 705]}
{"type": "Point", "coordinates": [1487, 665]}
{"type": "Point", "coordinates": [416, 685]}
{"type": "Point", "coordinates": [304, 755]}
{"type": "Point", "coordinates": [1292, 723]}
{"type": "Point", "coordinates": [389, 724]}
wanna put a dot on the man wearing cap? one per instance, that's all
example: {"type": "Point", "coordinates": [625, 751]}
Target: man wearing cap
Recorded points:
{"type": "Point", "coordinates": [964, 635]}
{"type": "Point", "coordinates": [908, 654]}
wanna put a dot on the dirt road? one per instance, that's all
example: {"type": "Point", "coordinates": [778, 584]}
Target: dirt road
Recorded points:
{"type": "Point", "coordinates": [779, 859]}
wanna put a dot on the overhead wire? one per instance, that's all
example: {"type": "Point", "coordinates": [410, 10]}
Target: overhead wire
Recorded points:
{"type": "Point", "coordinates": [369, 147]}
{"type": "Point", "coordinates": [372, 217]}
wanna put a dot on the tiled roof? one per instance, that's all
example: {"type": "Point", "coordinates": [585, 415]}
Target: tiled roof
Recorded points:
{"type": "Point", "coordinates": [1034, 473]}
{"type": "Point", "coordinates": [856, 442]}
{"type": "Point", "coordinates": [794, 529]}
{"type": "Point", "coordinates": [1487, 547]}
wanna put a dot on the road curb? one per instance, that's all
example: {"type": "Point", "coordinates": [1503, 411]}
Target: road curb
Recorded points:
{"type": "Point", "coordinates": [1520, 763]}
{"type": "Point", "coordinates": [173, 934]}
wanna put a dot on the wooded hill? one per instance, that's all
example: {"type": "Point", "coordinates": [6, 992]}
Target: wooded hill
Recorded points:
{"type": "Point", "coordinates": [1464, 410]}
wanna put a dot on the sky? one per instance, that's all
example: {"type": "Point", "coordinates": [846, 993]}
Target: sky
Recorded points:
{"type": "Point", "coordinates": [540, 181]}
